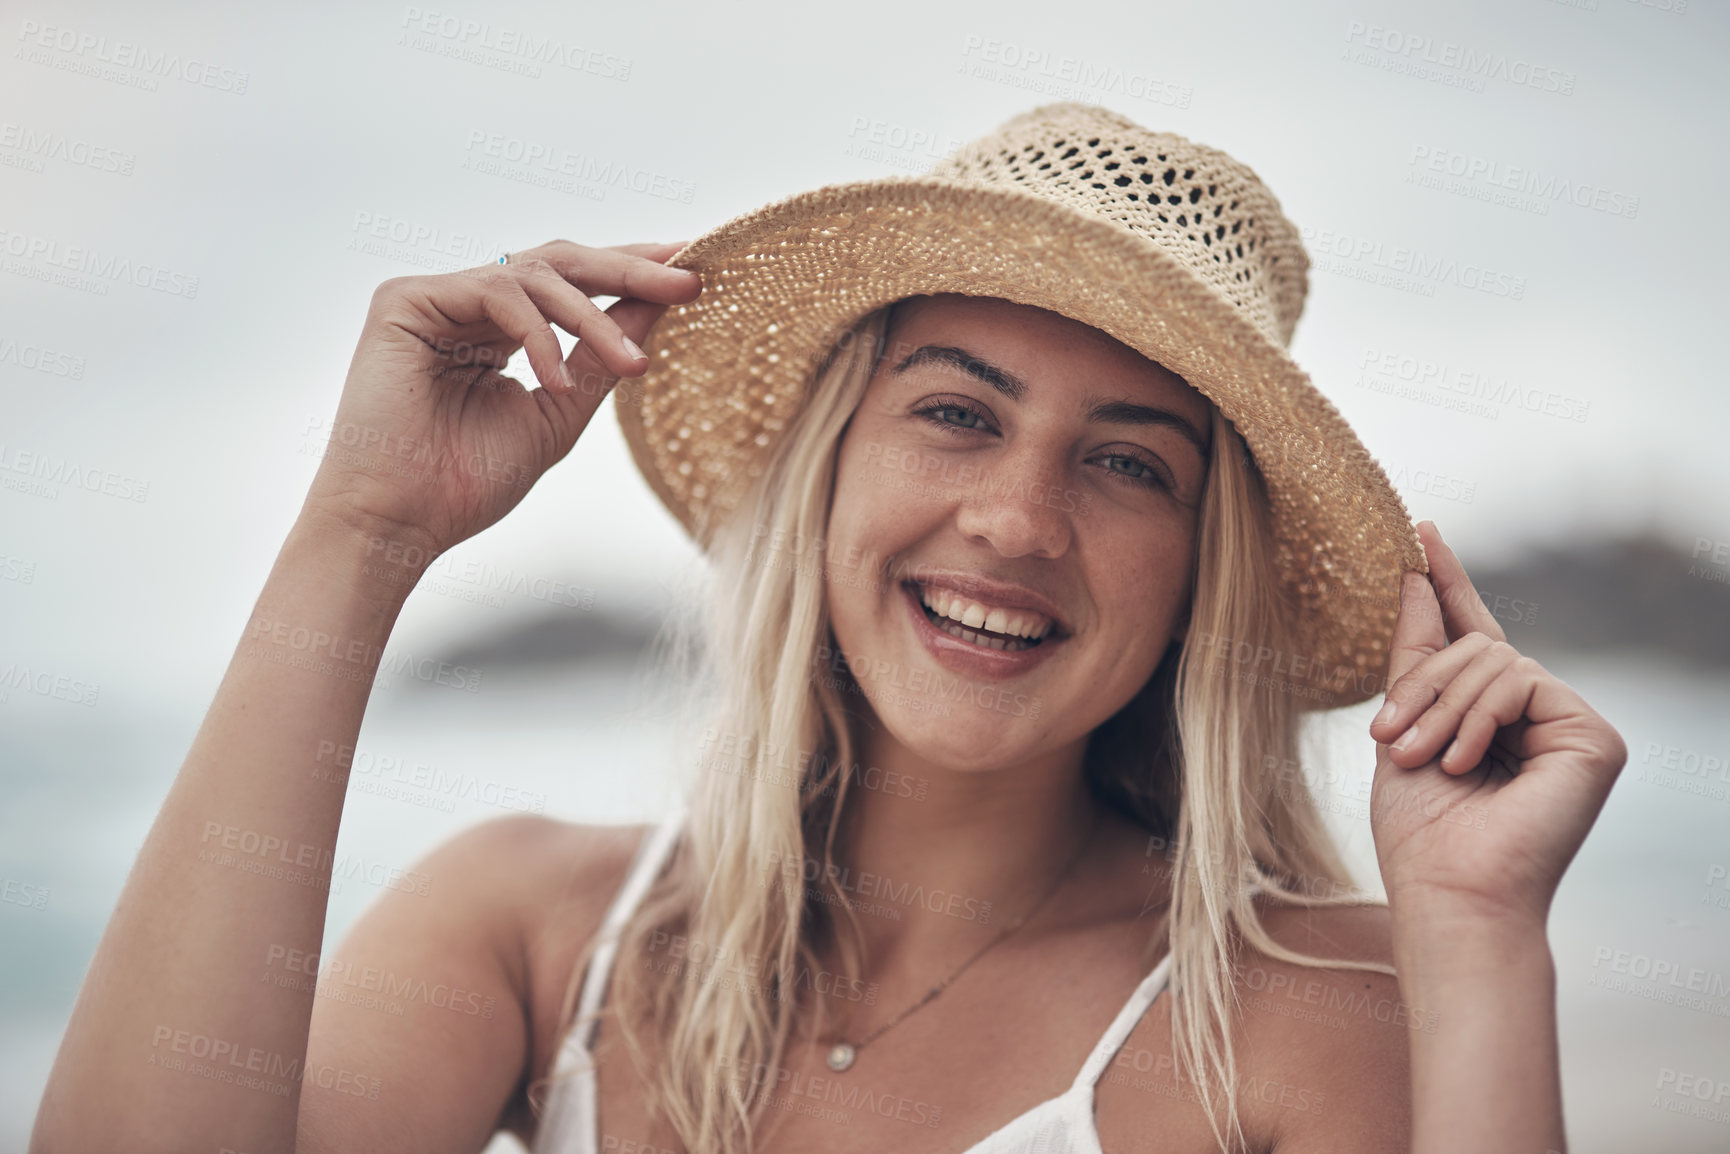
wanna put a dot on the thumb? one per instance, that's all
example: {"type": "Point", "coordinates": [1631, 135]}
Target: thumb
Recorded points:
{"type": "Point", "coordinates": [1418, 631]}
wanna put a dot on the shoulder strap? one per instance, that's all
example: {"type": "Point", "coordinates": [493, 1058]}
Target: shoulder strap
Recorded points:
{"type": "Point", "coordinates": [652, 854]}
{"type": "Point", "coordinates": [1139, 1001]}
{"type": "Point", "coordinates": [1119, 1030]}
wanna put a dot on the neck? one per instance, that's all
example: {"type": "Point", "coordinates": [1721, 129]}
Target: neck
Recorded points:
{"type": "Point", "coordinates": [944, 861]}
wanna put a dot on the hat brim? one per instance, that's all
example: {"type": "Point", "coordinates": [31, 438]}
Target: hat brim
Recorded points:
{"type": "Point", "coordinates": [781, 283]}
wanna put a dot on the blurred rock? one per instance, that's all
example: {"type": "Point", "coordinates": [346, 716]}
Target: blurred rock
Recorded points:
{"type": "Point", "coordinates": [560, 637]}
{"type": "Point", "coordinates": [1644, 594]}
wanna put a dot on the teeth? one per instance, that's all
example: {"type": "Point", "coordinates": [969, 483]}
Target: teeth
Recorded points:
{"type": "Point", "coordinates": [973, 615]}
{"type": "Point", "coordinates": [968, 635]}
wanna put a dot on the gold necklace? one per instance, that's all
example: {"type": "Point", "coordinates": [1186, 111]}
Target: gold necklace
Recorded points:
{"type": "Point", "coordinates": [842, 1054]}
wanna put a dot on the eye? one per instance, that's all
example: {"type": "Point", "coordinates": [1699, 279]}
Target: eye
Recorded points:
{"type": "Point", "coordinates": [1128, 468]}
{"type": "Point", "coordinates": [939, 411]}
{"type": "Point", "coordinates": [1144, 473]}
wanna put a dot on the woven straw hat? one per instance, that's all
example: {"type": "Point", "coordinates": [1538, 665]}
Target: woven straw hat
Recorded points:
{"type": "Point", "coordinates": [1173, 248]}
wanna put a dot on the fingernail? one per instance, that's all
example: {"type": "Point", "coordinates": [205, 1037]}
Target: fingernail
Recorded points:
{"type": "Point", "coordinates": [1406, 739]}
{"type": "Point", "coordinates": [1448, 754]}
{"type": "Point", "coordinates": [631, 347]}
{"type": "Point", "coordinates": [1387, 713]}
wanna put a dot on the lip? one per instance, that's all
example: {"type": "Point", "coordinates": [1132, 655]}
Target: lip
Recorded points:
{"type": "Point", "coordinates": [968, 660]}
{"type": "Point", "coordinates": [1000, 594]}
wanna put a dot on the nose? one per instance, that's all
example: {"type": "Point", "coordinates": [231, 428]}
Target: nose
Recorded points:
{"type": "Point", "coordinates": [1017, 508]}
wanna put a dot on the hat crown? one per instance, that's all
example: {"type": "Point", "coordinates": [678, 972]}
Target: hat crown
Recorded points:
{"type": "Point", "coordinates": [1206, 209]}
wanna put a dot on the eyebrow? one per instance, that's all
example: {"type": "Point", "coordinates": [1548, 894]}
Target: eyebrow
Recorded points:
{"type": "Point", "coordinates": [1013, 387]}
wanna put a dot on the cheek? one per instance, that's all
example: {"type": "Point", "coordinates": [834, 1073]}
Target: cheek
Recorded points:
{"type": "Point", "coordinates": [860, 541]}
{"type": "Point", "coordinates": [854, 515]}
{"type": "Point", "coordinates": [869, 474]}
{"type": "Point", "coordinates": [858, 460]}
{"type": "Point", "coordinates": [883, 493]}
{"type": "Point", "coordinates": [1141, 579]}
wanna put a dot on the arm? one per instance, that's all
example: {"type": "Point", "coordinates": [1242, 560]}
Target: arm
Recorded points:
{"type": "Point", "coordinates": [1489, 774]}
{"type": "Point", "coordinates": [172, 986]}
{"type": "Point", "coordinates": [1327, 1051]}
{"type": "Point", "coordinates": [436, 1010]}
{"type": "Point", "coordinates": [173, 1044]}
{"type": "Point", "coordinates": [1489, 1076]}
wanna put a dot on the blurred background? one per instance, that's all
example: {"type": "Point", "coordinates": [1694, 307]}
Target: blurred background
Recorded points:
{"type": "Point", "coordinates": [1514, 215]}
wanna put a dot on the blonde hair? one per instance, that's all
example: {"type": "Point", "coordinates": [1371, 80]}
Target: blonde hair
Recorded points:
{"type": "Point", "coordinates": [1200, 758]}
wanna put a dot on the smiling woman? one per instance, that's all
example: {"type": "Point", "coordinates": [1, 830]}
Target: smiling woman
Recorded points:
{"type": "Point", "coordinates": [972, 560]}
{"type": "Point", "coordinates": [1030, 547]}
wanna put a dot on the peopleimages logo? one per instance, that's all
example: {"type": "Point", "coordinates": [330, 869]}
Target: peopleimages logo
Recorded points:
{"type": "Point", "coordinates": [1408, 264]}
{"type": "Point", "coordinates": [47, 253]}
{"type": "Point", "coordinates": [1064, 77]}
{"type": "Point", "coordinates": [37, 145]}
{"type": "Point", "coordinates": [1390, 371]}
{"type": "Point", "coordinates": [881, 887]}
{"type": "Point", "coordinates": [1459, 65]}
{"type": "Point", "coordinates": [53, 471]}
{"type": "Point", "coordinates": [469, 38]}
{"type": "Point", "coordinates": [550, 159]}
{"type": "Point", "coordinates": [1496, 175]}
{"type": "Point", "coordinates": [86, 50]}
{"type": "Point", "coordinates": [1661, 979]}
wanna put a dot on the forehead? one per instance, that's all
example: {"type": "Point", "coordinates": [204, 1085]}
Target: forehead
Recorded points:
{"type": "Point", "coordinates": [1034, 342]}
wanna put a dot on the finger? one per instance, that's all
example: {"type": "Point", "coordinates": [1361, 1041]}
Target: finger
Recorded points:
{"type": "Point", "coordinates": [499, 297]}
{"type": "Point", "coordinates": [1422, 685]}
{"type": "Point", "coordinates": [1436, 727]}
{"type": "Point", "coordinates": [660, 253]}
{"type": "Point", "coordinates": [1418, 628]}
{"type": "Point", "coordinates": [1501, 703]}
{"type": "Point", "coordinates": [1463, 611]}
{"type": "Point", "coordinates": [569, 413]}
{"type": "Point", "coordinates": [574, 312]}
{"type": "Point", "coordinates": [635, 319]}
{"type": "Point", "coordinates": [612, 272]}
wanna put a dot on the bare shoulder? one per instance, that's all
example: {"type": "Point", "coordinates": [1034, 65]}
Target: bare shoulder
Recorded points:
{"type": "Point", "coordinates": [537, 883]}
{"type": "Point", "coordinates": [440, 990]}
{"type": "Point", "coordinates": [552, 881]}
{"type": "Point", "coordinates": [529, 862]}
{"type": "Point", "coordinates": [1353, 932]}
{"type": "Point", "coordinates": [1326, 1049]}
{"type": "Point", "coordinates": [569, 875]}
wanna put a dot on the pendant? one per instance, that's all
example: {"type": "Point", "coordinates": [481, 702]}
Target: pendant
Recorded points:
{"type": "Point", "coordinates": [840, 1056]}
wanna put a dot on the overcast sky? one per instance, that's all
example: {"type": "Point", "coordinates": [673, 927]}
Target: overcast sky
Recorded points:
{"type": "Point", "coordinates": [1575, 150]}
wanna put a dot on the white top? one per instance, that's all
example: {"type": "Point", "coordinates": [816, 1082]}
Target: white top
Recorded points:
{"type": "Point", "coordinates": [1060, 1125]}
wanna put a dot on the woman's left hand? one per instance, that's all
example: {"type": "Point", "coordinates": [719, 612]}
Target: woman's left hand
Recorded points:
{"type": "Point", "coordinates": [1489, 770]}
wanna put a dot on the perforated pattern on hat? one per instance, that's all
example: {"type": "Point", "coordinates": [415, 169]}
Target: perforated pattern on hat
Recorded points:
{"type": "Point", "coordinates": [1196, 202]}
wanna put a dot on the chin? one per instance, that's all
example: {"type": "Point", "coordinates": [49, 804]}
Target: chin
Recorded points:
{"type": "Point", "coordinates": [958, 736]}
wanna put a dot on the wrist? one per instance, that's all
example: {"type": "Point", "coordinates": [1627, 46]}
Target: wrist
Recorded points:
{"type": "Point", "coordinates": [1438, 942]}
{"type": "Point", "coordinates": [378, 561]}
{"type": "Point", "coordinates": [1485, 1069]}
{"type": "Point", "coordinates": [388, 554]}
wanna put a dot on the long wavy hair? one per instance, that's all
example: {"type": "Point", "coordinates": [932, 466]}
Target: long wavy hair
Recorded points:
{"type": "Point", "coordinates": [1202, 758]}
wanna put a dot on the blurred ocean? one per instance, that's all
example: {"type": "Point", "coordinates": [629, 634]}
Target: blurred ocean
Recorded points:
{"type": "Point", "coordinates": [584, 742]}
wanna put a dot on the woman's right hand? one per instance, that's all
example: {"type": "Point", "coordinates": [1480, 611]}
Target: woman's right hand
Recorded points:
{"type": "Point", "coordinates": [432, 442]}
